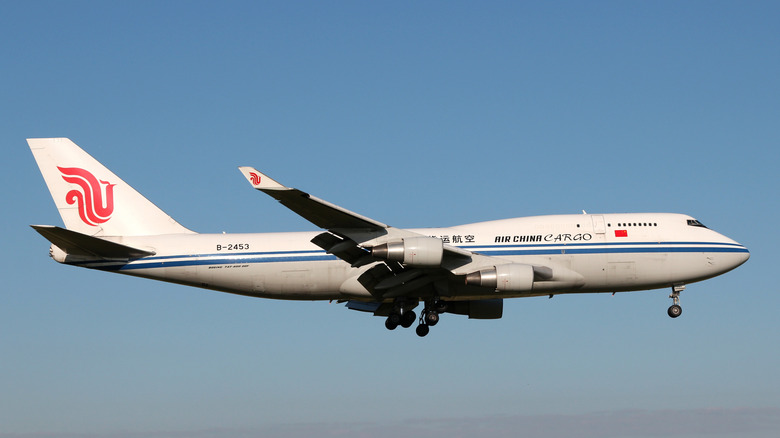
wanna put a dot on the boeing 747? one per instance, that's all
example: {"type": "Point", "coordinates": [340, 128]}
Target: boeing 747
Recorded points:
{"type": "Point", "coordinates": [369, 265]}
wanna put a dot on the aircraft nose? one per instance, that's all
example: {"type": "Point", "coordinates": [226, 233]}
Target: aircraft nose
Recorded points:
{"type": "Point", "coordinates": [744, 256]}
{"type": "Point", "coordinates": [738, 257]}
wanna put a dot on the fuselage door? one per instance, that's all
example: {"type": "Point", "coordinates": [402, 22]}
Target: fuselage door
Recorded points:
{"type": "Point", "coordinates": [598, 224]}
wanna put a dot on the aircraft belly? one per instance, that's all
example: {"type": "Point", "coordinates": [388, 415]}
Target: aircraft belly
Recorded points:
{"type": "Point", "coordinates": [280, 280]}
{"type": "Point", "coordinates": [298, 280]}
{"type": "Point", "coordinates": [691, 267]}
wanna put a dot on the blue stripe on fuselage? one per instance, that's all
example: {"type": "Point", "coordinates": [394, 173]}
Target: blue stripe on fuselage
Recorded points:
{"type": "Point", "coordinates": [489, 250]}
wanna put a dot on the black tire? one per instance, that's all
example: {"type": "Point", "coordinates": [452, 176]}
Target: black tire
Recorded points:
{"type": "Point", "coordinates": [674, 311]}
{"type": "Point", "coordinates": [408, 318]}
{"type": "Point", "coordinates": [422, 330]}
{"type": "Point", "coordinates": [390, 323]}
{"type": "Point", "coordinates": [432, 318]}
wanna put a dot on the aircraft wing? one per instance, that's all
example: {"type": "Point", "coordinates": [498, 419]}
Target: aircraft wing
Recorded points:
{"type": "Point", "coordinates": [317, 211]}
{"type": "Point", "coordinates": [412, 261]}
{"type": "Point", "coordinates": [339, 221]}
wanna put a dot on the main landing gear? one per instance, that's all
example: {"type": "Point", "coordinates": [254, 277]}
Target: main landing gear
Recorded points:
{"type": "Point", "coordinates": [428, 318]}
{"type": "Point", "coordinates": [675, 310]}
{"type": "Point", "coordinates": [404, 319]}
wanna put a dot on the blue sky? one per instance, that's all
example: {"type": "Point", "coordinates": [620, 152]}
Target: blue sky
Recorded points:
{"type": "Point", "coordinates": [417, 114]}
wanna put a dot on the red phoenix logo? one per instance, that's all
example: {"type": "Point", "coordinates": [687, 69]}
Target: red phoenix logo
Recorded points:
{"type": "Point", "coordinates": [255, 178]}
{"type": "Point", "coordinates": [95, 198]}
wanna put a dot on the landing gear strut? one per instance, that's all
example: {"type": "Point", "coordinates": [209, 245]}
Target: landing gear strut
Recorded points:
{"type": "Point", "coordinates": [675, 310]}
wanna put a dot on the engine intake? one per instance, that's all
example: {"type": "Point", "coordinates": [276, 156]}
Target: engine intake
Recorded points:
{"type": "Point", "coordinates": [512, 277]}
{"type": "Point", "coordinates": [412, 251]}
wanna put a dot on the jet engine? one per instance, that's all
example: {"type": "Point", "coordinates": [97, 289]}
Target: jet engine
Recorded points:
{"type": "Point", "coordinates": [412, 251]}
{"type": "Point", "coordinates": [512, 277]}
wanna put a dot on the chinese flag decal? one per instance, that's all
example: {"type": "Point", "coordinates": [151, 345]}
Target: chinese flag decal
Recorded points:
{"type": "Point", "coordinates": [621, 233]}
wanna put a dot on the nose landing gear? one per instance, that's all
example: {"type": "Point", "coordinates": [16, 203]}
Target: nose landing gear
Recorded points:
{"type": "Point", "coordinates": [675, 310]}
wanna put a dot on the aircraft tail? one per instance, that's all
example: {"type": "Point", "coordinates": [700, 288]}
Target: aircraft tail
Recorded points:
{"type": "Point", "coordinates": [91, 199]}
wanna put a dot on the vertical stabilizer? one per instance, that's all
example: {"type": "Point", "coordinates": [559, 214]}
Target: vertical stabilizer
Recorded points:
{"type": "Point", "coordinates": [91, 199]}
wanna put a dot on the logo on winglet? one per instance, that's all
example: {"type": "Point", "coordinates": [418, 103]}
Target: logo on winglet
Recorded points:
{"type": "Point", "coordinates": [95, 198]}
{"type": "Point", "coordinates": [255, 178]}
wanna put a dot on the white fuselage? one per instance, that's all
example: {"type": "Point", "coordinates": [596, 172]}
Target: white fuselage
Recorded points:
{"type": "Point", "coordinates": [602, 253]}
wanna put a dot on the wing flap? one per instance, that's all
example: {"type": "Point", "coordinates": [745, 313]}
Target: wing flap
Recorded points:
{"type": "Point", "coordinates": [344, 248]}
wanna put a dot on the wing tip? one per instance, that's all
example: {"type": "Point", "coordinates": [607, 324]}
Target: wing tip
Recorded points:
{"type": "Point", "coordinates": [258, 179]}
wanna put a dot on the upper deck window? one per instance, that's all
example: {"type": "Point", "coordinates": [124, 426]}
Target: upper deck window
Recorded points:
{"type": "Point", "coordinates": [695, 223]}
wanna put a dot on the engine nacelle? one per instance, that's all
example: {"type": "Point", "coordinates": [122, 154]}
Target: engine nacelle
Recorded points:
{"type": "Point", "coordinates": [477, 309]}
{"type": "Point", "coordinates": [412, 251]}
{"type": "Point", "coordinates": [512, 277]}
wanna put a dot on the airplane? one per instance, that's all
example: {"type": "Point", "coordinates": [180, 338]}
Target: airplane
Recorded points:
{"type": "Point", "coordinates": [369, 265]}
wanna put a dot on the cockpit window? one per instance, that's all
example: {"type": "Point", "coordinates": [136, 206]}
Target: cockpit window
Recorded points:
{"type": "Point", "coordinates": [695, 223]}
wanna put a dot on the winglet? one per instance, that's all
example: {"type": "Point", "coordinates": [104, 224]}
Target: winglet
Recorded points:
{"type": "Point", "coordinates": [259, 180]}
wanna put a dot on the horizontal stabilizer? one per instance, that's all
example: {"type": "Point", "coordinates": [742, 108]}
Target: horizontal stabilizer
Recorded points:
{"type": "Point", "coordinates": [78, 244]}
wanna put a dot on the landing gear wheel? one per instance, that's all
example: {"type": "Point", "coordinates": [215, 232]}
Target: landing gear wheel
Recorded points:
{"type": "Point", "coordinates": [392, 321]}
{"type": "Point", "coordinates": [422, 330]}
{"type": "Point", "coordinates": [408, 318]}
{"type": "Point", "coordinates": [675, 310]}
{"type": "Point", "coordinates": [431, 318]}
